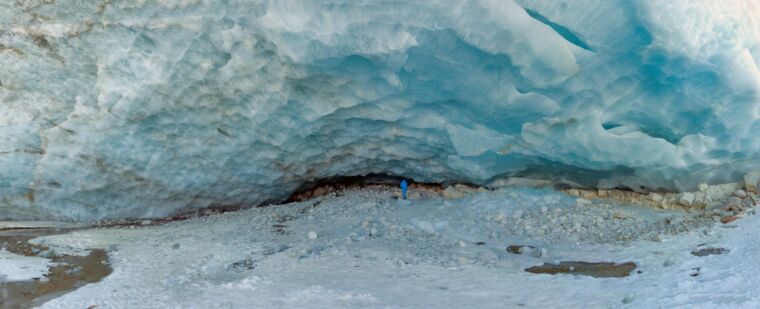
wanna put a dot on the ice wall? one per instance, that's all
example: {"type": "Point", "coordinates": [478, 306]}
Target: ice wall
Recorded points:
{"type": "Point", "coordinates": [141, 108]}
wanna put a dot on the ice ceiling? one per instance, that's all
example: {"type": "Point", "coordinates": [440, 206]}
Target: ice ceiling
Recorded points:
{"type": "Point", "coordinates": [142, 108]}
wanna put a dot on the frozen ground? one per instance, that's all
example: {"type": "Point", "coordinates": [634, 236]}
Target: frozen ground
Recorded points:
{"type": "Point", "coordinates": [364, 249]}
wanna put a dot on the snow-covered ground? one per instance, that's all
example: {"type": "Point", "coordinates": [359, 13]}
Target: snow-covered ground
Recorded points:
{"type": "Point", "coordinates": [14, 267]}
{"type": "Point", "coordinates": [364, 249]}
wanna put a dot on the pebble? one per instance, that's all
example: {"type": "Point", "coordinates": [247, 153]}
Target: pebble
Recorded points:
{"type": "Point", "coordinates": [312, 235]}
{"type": "Point", "coordinates": [145, 222]}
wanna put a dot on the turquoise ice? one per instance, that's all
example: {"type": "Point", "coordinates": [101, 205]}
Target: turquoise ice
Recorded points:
{"type": "Point", "coordinates": [143, 108]}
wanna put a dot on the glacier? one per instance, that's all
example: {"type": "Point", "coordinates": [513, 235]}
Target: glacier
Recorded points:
{"type": "Point", "coordinates": [132, 109]}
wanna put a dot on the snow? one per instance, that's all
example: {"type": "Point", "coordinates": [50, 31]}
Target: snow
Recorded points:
{"type": "Point", "coordinates": [374, 251]}
{"type": "Point", "coordinates": [14, 267]}
{"type": "Point", "coordinates": [141, 109]}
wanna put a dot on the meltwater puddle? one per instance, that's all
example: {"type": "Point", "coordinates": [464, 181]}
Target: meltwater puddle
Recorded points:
{"type": "Point", "coordinates": [65, 274]}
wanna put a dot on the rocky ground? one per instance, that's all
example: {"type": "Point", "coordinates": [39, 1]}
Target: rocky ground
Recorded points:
{"type": "Point", "coordinates": [467, 247]}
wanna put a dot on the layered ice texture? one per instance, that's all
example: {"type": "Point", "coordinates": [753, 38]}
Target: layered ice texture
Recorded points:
{"type": "Point", "coordinates": [143, 108]}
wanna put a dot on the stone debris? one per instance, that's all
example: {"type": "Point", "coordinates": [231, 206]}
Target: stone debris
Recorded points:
{"type": "Point", "coordinates": [708, 197]}
{"type": "Point", "coordinates": [752, 181]}
{"type": "Point", "coordinates": [459, 191]}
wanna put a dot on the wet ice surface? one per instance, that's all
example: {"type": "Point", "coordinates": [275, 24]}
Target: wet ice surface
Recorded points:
{"type": "Point", "coordinates": [362, 248]}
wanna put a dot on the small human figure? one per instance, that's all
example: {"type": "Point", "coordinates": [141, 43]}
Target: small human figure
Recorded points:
{"type": "Point", "coordinates": [403, 188]}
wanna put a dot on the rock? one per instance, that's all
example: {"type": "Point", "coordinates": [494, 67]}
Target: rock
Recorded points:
{"type": "Point", "coordinates": [47, 254]}
{"type": "Point", "coordinates": [702, 187]}
{"type": "Point", "coordinates": [73, 271]}
{"type": "Point", "coordinates": [728, 219]}
{"type": "Point", "coordinates": [752, 181]}
{"type": "Point", "coordinates": [656, 197]}
{"type": "Point", "coordinates": [700, 199]}
{"type": "Point", "coordinates": [733, 200]}
{"type": "Point", "coordinates": [713, 206]}
{"type": "Point", "coordinates": [145, 222]}
{"type": "Point", "coordinates": [709, 251]}
{"type": "Point", "coordinates": [686, 198]}
{"type": "Point", "coordinates": [668, 263]}
{"type": "Point", "coordinates": [695, 272]}
{"type": "Point", "coordinates": [241, 265]}
{"type": "Point", "coordinates": [312, 235]}
{"type": "Point", "coordinates": [722, 191]}
{"type": "Point", "coordinates": [627, 300]}
{"type": "Point", "coordinates": [518, 249]}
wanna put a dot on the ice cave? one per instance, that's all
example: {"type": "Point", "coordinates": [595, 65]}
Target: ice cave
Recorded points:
{"type": "Point", "coordinates": [379, 154]}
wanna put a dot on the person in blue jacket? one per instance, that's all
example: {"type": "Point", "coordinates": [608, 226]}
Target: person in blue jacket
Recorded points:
{"type": "Point", "coordinates": [403, 188]}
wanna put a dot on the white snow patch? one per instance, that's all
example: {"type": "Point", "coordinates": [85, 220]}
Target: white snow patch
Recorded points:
{"type": "Point", "coordinates": [14, 267]}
